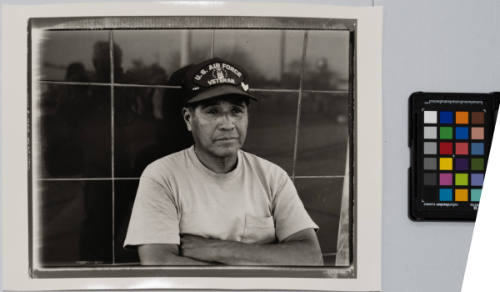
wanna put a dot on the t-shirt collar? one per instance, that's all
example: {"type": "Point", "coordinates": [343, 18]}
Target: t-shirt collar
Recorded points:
{"type": "Point", "coordinates": [197, 163]}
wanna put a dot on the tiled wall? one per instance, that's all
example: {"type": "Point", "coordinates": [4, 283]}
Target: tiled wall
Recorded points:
{"type": "Point", "coordinates": [106, 111]}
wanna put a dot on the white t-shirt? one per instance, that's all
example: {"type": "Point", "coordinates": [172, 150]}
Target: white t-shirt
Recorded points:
{"type": "Point", "coordinates": [254, 203]}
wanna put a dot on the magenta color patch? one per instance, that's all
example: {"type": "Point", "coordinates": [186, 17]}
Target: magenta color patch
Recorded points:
{"type": "Point", "coordinates": [445, 179]}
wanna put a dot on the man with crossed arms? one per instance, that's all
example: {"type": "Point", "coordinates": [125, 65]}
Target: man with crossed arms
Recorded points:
{"type": "Point", "coordinates": [214, 203]}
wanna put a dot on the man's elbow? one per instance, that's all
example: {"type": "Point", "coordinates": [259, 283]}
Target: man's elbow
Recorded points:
{"type": "Point", "coordinates": [315, 257]}
{"type": "Point", "coordinates": [310, 253]}
{"type": "Point", "coordinates": [157, 254]}
{"type": "Point", "coordinates": [308, 247]}
{"type": "Point", "coordinates": [314, 251]}
{"type": "Point", "coordinates": [319, 260]}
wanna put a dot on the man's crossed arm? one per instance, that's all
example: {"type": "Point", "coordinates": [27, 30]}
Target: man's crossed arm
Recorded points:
{"type": "Point", "coordinates": [301, 248]}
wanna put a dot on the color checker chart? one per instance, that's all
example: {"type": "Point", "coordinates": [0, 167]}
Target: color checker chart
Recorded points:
{"type": "Point", "coordinates": [450, 136]}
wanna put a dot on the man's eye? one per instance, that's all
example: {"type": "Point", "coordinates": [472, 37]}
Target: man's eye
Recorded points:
{"type": "Point", "coordinates": [212, 111]}
{"type": "Point", "coordinates": [237, 110]}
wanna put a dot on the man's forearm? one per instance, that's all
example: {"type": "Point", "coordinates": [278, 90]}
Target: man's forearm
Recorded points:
{"type": "Point", "coordinates": [291, 253]}
{"type": "Point", "coordinates": [282, 254]}
{"type": "Point", "coordinates": [158, 254]}
{"type": "Point", "coordinates": [174, 260]}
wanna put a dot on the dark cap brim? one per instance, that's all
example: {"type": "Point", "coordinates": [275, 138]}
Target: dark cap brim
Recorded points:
{"type": "Point", "coordinates": [221, 90]}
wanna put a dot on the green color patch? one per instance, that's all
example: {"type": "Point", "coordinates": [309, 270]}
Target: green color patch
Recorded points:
{"type": "Point", "coordinates": [477, 163]}
{"type": "Point", "coordinates": [461, 179]}
{"type": "Point", "coordinates": [445, 133]}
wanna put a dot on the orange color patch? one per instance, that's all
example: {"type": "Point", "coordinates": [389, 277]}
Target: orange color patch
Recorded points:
{"type": "Point", "coordinates": [462, 117]}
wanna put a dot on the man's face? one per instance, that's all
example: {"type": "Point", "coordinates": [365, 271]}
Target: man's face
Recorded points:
{"type": "Point", "coordinates": [219, 126]}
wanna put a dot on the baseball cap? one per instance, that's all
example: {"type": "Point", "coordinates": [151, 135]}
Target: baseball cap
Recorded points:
{"type": "Point", "coordinates": [209, 79]}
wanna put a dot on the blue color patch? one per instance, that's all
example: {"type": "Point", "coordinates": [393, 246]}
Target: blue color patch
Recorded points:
{"type": "Point", "coordinates": [445, 195]}
{"type": "Point", "coordinates": [462, 133]}
{"type": "Point", "coordinates": [477, 148]}
{"type": "Point", "coordinates": [446, 117]}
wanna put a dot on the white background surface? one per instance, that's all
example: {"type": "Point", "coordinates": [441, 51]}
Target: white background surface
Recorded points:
{"type": "Point", "coordinates": [440, 45]}
{"type": "Point", "coordinates": [429, 46]}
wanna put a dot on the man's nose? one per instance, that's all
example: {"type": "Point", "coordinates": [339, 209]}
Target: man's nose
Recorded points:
{"type": "Point", "coordinates": [226, 122]}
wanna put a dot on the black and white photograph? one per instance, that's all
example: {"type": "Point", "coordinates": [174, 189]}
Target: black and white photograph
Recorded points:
{"type": "Point", "coordinates": [199, 146]}
{"type": "Point", "coordinates": [194, 146]}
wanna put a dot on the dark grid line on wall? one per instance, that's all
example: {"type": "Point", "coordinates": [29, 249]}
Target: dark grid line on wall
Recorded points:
{"type": "Point", "coordinates": [299, 105]}
{"type": "Point", "coordinates": [212, 47]}
{"type": "Point", "coordinates": [112, 81]}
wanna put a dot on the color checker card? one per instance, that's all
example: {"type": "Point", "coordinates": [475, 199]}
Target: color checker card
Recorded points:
{"type": "Point", "coordinates": [450, 137]}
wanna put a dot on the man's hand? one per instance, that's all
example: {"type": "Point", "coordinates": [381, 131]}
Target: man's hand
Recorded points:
{"type": "Point", "coordinates": [299, 249]}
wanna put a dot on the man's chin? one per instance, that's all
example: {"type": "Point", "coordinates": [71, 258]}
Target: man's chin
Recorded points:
{"type": "Point", "coordinates": [227, 151]}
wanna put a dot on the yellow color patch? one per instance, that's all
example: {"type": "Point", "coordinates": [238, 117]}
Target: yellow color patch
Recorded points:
{"type": "Point", "coordinates": [461, 195]}
{"type": "Point", "coordinates": [445, 163]}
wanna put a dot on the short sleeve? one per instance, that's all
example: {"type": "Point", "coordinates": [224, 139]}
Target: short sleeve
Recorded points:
{"type": "Point", "coordinates": [290, 216]}
{"type": "Point", "coordinates": [154, 216]}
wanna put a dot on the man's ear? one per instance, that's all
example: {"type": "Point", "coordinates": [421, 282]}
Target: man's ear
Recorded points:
{"type": "Point", "coordinates": [186, 115]}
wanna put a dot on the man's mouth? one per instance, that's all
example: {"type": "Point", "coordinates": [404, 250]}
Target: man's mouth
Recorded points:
{"type": "Point", "coordinates": [226, 139]}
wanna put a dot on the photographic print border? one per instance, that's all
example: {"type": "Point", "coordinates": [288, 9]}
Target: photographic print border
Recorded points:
{"type": "Point", "coordinates": [367, 259]}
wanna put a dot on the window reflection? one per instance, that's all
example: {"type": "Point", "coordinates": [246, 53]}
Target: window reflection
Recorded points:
{"type": "Point", "coordinates": [327, 61]}
{"type": "Point", "coordinates": [75, 131]}
{"type": "Point", "coordinates": [269, 56]}
{"type": "Point", "coordinates": [322, 199]}
{"type": "Point", "coordinates": [323, 133]}
{"type": "Point", "coordinates": [75, 223]}
{"type": "Point", "coordinates": [78, 56]}
{"type": "Point", "coordinates": [271, 129]}
{"type": "Point", "coordinates": [150, 56]}
{"type": "Point", "coordinates": [148, 125]}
